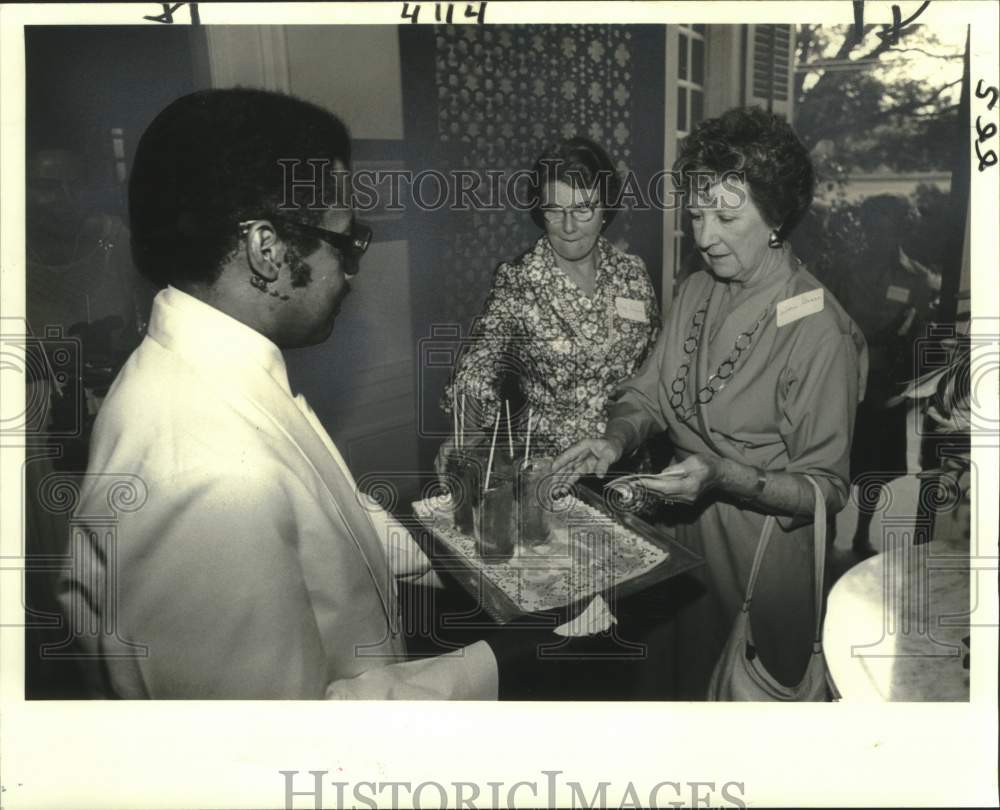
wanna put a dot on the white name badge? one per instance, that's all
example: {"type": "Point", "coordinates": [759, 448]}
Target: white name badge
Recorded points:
{"type": "Point", "coordinates": [799, 306]}
{"type": "Point", "coordinates": [631, 309]}
{"type": "Point", "coordinates": [900, 294]}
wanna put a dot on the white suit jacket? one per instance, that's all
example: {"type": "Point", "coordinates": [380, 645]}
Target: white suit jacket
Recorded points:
{"type": "Point", "coordinates": [243, 564]}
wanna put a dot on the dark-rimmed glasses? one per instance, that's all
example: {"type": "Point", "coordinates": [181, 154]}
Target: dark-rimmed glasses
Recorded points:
{"type": "Point", "coordinates": [351, 245]}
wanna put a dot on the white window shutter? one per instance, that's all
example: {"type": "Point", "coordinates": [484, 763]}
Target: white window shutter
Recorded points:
{"type": "Point", "coordinates": [770, 68]}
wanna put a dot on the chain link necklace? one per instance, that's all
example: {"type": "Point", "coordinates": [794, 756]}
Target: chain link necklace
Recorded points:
{"type": "Point", "coordinates": [722, 374]}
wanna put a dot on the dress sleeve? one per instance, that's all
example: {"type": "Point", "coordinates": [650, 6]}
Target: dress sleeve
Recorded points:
{"type": "Point", "coordinates": [477, 372]}
{"type": "Point", "coordinates": [635, 410]}
{"type": "Point", "coordinates": [652, 305]}
{"type": "Point", "coordinates": [817, 398]}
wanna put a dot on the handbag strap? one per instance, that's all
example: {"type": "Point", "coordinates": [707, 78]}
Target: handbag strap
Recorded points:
{"type": "Point", "coordinates": [819, 557]}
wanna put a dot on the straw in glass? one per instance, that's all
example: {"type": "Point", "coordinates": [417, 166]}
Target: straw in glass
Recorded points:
{"type": "Point", "coordinates": [461, 424]}
{"type": "Point", "coordinates": [493, 447]}
{"type": "Point", "coordinates": [510, 436]}
{"type": "Point", "coordinates": [527, 441]}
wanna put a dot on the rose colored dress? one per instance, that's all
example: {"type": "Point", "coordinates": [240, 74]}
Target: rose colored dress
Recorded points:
{"type": "Point", "coordinates": [788, 406]}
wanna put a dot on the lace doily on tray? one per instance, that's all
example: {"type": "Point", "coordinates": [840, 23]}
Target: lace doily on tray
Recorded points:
{"type": "Point", "coordinates": [587, 553]}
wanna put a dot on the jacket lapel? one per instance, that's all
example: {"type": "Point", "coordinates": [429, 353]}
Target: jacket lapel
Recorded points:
{"type": "Point", "coordinates": [274, 404]}
{"type": "Point", "coordinates": [261, 399]}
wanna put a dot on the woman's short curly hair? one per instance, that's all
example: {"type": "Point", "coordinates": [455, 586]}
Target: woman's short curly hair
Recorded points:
{"type": "Point", "coordinates": [765, 151]}
{"type": "Point", "coordinates": [580, 163]}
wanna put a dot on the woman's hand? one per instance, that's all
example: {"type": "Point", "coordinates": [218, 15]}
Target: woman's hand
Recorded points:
{"type": "Point", "coordinates": [771, 491]}
{"type": "Point", "coordinates": [587, 457]}
{"type": "Point", "coordinates": [684, 482]}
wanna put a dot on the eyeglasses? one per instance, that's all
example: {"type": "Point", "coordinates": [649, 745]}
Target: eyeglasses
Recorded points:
{"type": "Point", "coordinates": [352, 245]}
{"type": "Point", "coordinates": [580, 213]}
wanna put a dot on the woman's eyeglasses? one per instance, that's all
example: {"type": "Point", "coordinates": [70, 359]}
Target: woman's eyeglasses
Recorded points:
{"type": "Point", "coordinates": [580, 213]}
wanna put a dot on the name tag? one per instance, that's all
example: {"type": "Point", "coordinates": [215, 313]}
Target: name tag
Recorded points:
{"type": "Point", "coordinates": [799, 306]}
{"type": "Point", "coordinates": [900, 294]}
{"type": "Point", "coordinates": [631, 309]}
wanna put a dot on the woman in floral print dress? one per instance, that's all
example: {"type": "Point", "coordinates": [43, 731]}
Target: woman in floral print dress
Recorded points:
{"type": "Point", "coordinates": [573, 317]}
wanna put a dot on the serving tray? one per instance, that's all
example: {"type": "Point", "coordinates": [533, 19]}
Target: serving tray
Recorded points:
{"type": "Point", "coordinates": [594, 548]}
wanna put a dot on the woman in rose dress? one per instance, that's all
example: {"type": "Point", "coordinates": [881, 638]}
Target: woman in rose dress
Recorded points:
{"type": "Point", "coordinates": [756, 379]}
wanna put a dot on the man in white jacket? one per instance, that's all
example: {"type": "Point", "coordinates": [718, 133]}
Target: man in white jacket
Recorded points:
{"type": "Point", "coordinates": [221, 549]}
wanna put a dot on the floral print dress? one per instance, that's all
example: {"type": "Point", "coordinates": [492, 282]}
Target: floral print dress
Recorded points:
{"type": "Point", "coordinates": [570, 351]}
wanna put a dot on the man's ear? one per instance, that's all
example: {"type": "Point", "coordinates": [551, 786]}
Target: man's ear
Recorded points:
{"type": "Point", "coordinates": [265, 251]}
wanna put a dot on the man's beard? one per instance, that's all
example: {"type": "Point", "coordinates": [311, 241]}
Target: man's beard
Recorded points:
{"type": "Point", "coordinates": [301, 272]}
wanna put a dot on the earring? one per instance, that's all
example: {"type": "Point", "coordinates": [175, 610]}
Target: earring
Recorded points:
{"type": "Point", "coordinates": [773, 240]}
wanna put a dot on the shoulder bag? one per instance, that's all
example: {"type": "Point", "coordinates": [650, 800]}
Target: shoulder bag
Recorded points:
{"type": "Point", "coordinates": [739, 673]}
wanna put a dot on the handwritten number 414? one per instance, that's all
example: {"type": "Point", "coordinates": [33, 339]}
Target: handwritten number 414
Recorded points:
{"type": "Point", "coordinates": [984, 133]}
{"type": "Point", "coordinates": [445, 12]}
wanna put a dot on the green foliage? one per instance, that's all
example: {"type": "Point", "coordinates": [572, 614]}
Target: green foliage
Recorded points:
{"type": "Point", "coordinates": [856, 100]}
{"type": "Point", "coordinates": [840, 236]}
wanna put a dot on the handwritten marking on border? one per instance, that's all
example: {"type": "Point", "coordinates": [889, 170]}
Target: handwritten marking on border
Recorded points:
{"type": "Point", "coordinates": [166, 16]}
{"type": "Point", "coordinates": [987, 131]}
{"type": "Point", "coordinates": [445, 12]}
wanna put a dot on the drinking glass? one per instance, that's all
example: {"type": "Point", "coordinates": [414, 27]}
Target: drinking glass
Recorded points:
{"type": "Point", "coordinates": [534, 501]}
{"type": "Point", "coordinates": [494, 519]}
{"type": "Point", "coordinates": [465, 469]}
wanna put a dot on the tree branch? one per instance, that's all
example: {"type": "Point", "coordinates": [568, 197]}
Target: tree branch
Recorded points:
{"type": "Point", "coordinates": [936, 113]}
{"type": "Point", "coordinates": [805, 39]}
{"type": "Point", "coordinates": [916, 104]}
{"type": "Point", "coordinates": [847, 46]}
{"type": "Point", "coordinates": [845, 125]}
{"type": "Point", "coordinates": [886, 43]}
{"type": "Point", "coordinates": [926, 53]}
{"type": "Point", "coordinates": [851, 41]}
